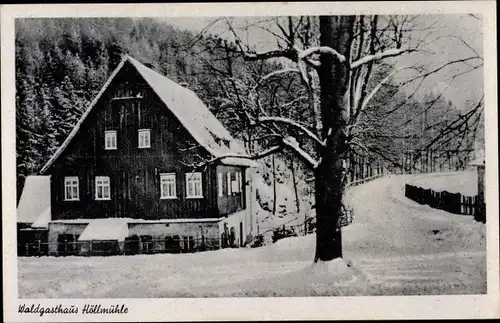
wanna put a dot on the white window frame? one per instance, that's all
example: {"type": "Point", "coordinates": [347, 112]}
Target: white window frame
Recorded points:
{"type": "Point", "coordinates": [71, 182]}
{"type": "Point", "coordinates": [194, 179]}
{"type": "Point", "coordinates": [111, 134]}
{"type": "Point", "coordinates": [144, 143]}
{"type": "Point", "coordinates": [239, 180]}
{"type": "Point", "coordinates": [168, 179]}
{"type": "Point", "coordinates": [220, 184]}
{"type": "Point", "coordinates": [102, 182]}
{"type": "Point", "coordinates": [228, 181]}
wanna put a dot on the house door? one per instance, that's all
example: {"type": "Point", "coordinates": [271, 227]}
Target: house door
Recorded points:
{"type": "Point", "coordinates": [241, 234]}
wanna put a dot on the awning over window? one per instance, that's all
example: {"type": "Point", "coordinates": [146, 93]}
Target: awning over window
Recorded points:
{"type": "Point", "coordinates": [105, 229]}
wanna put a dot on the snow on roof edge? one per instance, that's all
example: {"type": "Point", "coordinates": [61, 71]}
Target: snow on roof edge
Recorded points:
{"type": "Point", "coordinates": [239, 161]}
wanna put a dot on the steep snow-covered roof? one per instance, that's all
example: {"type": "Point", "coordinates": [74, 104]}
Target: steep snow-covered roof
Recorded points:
{"type": "Point", "coordinates": [105, 229]}
{"type": "Point", "coordinates": [34, 204]}
{"type": "Point", "coordinates": [187, 107]}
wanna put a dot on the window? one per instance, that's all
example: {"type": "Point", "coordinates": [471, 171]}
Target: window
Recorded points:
{"type": "Point", "coordinates": [144, 138]}
{"type": "Point", "coordinates": [228, 176]}
{"type": "Point", "coordinates": [239, 181]}
{"type": "Point", "coordinates": [110, 140]}
{"type": "Point", "coordinates": [71, 188]}
{"type": "Point", "coordinates": [219, 184]}
{"type": "Point", "coordinates": [167, 186]}
{"type": "Point", "coordinates": [234, 185]}
{"type": "Point", "coordinates": [193, 185]}
{"type": "Point", "coordinates": [102, 188]}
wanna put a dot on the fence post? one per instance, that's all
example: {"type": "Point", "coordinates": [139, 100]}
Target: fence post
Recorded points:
{"type": "Point", "coordinates": [39, 247]}
{"type": "Point", "coordinates": [458, 201]}
{"type": "Point", "coordinates": [65, 247]}
{"type": "Point", "coordinates": [27, 249]}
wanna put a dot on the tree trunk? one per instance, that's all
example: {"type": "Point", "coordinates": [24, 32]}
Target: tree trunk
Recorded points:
{"type": "Point", "coordinates": [297, 201]}
{"type": "Point", "coordinates": [335, 32]}
{"type": "Point", "coordinates": [274, 184]}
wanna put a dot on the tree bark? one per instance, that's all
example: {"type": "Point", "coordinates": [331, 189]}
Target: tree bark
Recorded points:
{"type": "Point", "coordinates": [274, 184]}
{"type": "Point", "coordinates": [335, 32]}
{"type": "Point", "coordinates": [297, 200]}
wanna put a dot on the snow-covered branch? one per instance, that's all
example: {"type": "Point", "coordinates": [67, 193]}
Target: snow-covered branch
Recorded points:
{"type": "Point", "coordinates": [380, 55]}
{"type": "Point", "coordinates": [284, 105]}
{"type": "Point", "coordinates": [322, 50]}
{"type": "Point", "coordinates": [259, 155]}
{"type": "Point", "coordinates": [294, 124]}
{"type": "Point", "coordinates": [291, 143]}
{"type": "Point", "coordinates": [370, 96]}
{"type": "Point", "coordinates": [275, 73]}
{"type": "Point", "coordinates": [287, 53]}
{"type": "Point", "coordinates": [378, 86]}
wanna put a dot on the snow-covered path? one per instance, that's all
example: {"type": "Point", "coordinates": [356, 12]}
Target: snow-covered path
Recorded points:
{"type": "Point", "coordinates": [402, 247]}
{"type": "Point", "coordinates": [395, 247]}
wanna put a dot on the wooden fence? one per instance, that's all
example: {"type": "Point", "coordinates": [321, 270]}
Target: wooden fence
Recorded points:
{"type": "Point", "coordinates": [113, 247]}
{"type": "Point", "coordinates": [451, 202]}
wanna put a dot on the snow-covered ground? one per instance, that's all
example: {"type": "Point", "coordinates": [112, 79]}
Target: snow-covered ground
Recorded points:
{"type": "Point", "coordinates": [394, 247]}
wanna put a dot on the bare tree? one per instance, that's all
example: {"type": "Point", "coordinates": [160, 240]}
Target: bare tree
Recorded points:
{"type": "Point", "coordinates": [337, 71]}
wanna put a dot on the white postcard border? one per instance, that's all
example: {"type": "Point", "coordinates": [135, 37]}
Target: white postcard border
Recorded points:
{"type": "Point", "coordinates": [302, 308]}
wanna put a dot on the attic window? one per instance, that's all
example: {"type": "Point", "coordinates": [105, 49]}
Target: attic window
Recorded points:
{"type": "Point", "coordinates": [110, 140]}
{"type": "Point", "coordinates": [144, 138]}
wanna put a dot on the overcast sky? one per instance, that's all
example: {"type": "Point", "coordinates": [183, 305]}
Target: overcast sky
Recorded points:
{"type": "Point", "coordinates": [445, 48]}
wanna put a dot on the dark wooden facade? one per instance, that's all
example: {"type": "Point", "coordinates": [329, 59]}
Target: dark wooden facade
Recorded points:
{"type": "Point", "coordinates": [127, 105]}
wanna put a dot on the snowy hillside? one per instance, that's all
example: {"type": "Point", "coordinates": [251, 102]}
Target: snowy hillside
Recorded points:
{"type": "Point", "coordinates": [395, 247]}
{"type": "Point", "coordinates": [286, 208]}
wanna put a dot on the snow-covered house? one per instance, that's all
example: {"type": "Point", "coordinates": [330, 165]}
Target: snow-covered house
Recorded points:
{"type": "Point", "coordinates": [148, 160]}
